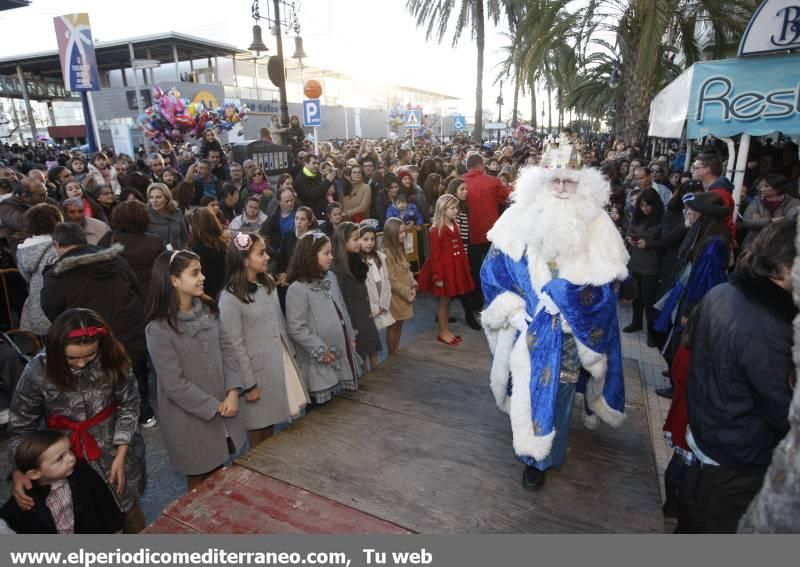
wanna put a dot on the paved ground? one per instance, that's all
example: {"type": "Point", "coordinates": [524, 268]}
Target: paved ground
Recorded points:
{"type": "Point", "coordinates": [164, 485]}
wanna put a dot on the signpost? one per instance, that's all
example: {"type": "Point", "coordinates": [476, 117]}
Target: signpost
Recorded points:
{"type": "Point", "coordinates": [459, 123]}
{"type": "Point", "coordinates": [412, 120]}
{"type": "Point", "coordinates": [78, 63]}
{"type": "Point", "coordinates": [312, 117]}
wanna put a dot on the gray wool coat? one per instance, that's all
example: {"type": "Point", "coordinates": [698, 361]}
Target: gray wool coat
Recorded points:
{"type": "Point", "coordinates": [196, 369]}
{"type": "Point", "coordinates": [314, 325]}
{"type": "Point", "coordinates": [33, 256]}
{"type": "Point", "coordinates": [256, 331]}
{"type": "Point", "coordinates": [170, 227]}
{"type": "Point", "coordinates": [36, 397]}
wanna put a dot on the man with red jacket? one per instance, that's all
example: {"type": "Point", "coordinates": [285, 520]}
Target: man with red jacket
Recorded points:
{"type": "Point", "coordinates": [708, 169]}
{"type": "Point", "coordinates": [485, 196]}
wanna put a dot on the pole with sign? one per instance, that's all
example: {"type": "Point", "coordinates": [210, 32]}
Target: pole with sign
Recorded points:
{"type": "Point", "coordinates": [312, 117]}
{"type": "Point", "coordinates": [78, 63]}
{"type": "Point", "coordinates": [413, 121]}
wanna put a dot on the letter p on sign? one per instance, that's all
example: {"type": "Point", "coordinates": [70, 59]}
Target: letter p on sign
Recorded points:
{"type": "Point", "coordinates": [311, 113]}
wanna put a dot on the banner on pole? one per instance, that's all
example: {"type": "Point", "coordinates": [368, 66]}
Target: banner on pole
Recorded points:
{"type": "Point", "coordinates": [76, 51]}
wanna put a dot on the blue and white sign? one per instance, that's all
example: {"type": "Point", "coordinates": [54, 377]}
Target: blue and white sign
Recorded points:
{"type": "Point", "coordinates": [774, 27]}
{"type": "Point", "coordinates": [756, 96]}
{"type": "Point", "coordinates": [311, 113]}
{"type": "Point", "coordinates": [412, 119]}
{"type": "Point", "coordinates": [459, 122]}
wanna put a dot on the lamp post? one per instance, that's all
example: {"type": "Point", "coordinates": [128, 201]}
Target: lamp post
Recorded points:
{"type": "Point", "coordinates": [278, 77]}
{"type": "Point", "coordinates": [542, 118]}
{"type": "Point", "coordinates": [500, 109]}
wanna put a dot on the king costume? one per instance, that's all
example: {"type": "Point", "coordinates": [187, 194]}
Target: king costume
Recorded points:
{"type": "Point", "coordinates": [550, 281]}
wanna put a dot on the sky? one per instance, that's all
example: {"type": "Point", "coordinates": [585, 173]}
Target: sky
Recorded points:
{"type": "Point", "coordinates": [376, 39]}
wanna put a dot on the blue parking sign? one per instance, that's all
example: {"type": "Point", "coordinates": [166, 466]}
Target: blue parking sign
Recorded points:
{"type": "Point", "coordinates": [459, 122]}
{"type": "Point", "coordinates": [311, 113]}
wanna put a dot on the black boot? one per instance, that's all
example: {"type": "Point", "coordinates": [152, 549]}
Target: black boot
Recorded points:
{"type": "Point", "coordinates": [632, 328]}
{"type": "Point", "coordinates": [532, 479]}
{"type": "Point", "coordinates": [469, 315]}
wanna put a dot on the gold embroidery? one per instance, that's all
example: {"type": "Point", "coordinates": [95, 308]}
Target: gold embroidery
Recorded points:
{"type": "Point", "coordinates": [531, 339]}
{"type": "Point", "coordinates": [587, 296]}
{"type": "Point", "coordinates": [537, 428]}
{"type": "Point", "coordinates": [595, 335]}
{"type": "Point", "coordinates": [547, 374]}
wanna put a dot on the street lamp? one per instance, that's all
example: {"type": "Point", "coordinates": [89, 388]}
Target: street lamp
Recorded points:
{"type": "Point", "coordinates": [277, 71]}
{"type": "Point", "coordinates": [542, 118]}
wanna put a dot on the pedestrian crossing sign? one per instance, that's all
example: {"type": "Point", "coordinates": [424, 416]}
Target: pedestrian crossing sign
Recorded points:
{"type": "Point", "coordinates": [413, 119]}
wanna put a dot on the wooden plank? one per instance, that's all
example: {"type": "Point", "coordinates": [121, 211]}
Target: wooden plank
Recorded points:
{"type": "Point", "coordinates": [435, 473]}
{"type": "Point", "coordinates": [236, 500]}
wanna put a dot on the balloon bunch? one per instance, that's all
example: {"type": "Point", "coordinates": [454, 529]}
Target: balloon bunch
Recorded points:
{"type": "Point", "coordinates": [396, 116]}
{"type": "Point", "coordinates": [174, 118]}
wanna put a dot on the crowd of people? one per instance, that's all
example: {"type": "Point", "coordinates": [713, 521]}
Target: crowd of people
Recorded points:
{"type": "Point", "coordinates": [253, 300]}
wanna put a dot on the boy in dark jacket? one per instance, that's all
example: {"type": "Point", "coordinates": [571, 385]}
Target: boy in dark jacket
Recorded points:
{"type": "Point", "coordinates": [69, 496]}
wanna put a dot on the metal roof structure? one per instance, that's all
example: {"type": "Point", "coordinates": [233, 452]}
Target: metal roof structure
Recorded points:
{"type": "Point", "coordinates": [115, 54]}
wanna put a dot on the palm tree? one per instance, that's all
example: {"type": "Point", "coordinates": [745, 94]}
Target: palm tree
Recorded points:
{"type": "Point", "coordinates": [469, 15]}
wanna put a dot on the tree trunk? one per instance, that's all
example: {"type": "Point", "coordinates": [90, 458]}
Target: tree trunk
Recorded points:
{"type": "Point", "coordinates": [549, 109]}
{"type": "Point", "coordinates": [516, 100]}
{"type": "Point", "coordinates": [533, 106]}
{"type": "Point", "coordinates": [479, 36]}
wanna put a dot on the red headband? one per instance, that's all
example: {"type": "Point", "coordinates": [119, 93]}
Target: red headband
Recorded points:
{"type": "Point", "coordinates": [87, 332]}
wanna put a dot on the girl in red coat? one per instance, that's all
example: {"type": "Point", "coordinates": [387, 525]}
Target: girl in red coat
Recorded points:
{"type": "Point", "coordinates": [446, 272]}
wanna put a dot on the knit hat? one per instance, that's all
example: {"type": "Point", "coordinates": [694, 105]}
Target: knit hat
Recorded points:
{"type": "Point", "coordinates": [403, 173]}
{"type": "Point", "coordinates": [706, 204]}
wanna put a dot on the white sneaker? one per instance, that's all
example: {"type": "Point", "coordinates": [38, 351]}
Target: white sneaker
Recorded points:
{"type": "Point", "coordinates": [150, 423]}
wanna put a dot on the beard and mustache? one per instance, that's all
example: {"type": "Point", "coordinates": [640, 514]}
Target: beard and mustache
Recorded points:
{"type": "Point", "coordinates": [558, 228]}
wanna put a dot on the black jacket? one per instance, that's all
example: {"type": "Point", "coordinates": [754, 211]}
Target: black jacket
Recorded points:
{"type": "Point", "coordinates": [738, 391]}
{"type": "Point", "coordinates": [271, 229]}
{"type": "Point", "coordinates": [93, 506]}
{"type": "Point", "coordinates": [313, 192]}
{"type": "Point", "coordinates": [141, 251]}
{"type": "Point", "coordinates": [100, 279]}
{"type": "Point", "coordinates": [212, 262]}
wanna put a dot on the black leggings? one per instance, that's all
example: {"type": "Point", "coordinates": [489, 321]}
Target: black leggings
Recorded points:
{"type": "Point", "coordinates": [647, 296]}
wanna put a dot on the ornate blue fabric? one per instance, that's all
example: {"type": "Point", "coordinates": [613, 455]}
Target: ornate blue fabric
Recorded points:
{"type": "Point", "coordinates": [590, 311]}
{"type": "Point", "coordinates": [710, 269]}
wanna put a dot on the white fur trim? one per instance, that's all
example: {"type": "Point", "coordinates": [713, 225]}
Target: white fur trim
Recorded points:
{"type": "Point", "coordinates": [499, 374]}
{"type": "Point", "coordinates": [597, 403]}
{"type": "Point", "coordinates": [525, 442]}
{"type": "Point", "coordinates": [596, 363]}
{"type": "Point", "coordinates": [500, 310]}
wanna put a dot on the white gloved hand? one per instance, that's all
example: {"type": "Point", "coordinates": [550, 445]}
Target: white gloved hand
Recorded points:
{"type": "Point", "coordinates": [546, 303]}
{"type": "Point", "coordinates": [520, 321]}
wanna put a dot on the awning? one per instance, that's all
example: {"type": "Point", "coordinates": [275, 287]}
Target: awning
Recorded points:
{"type": "Point", "coordinates": [669, 107]}
{"type": "Point", "coordinates": [756, 96]}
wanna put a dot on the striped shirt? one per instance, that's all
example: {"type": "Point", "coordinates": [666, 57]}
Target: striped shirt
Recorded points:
{"type": "Point", "coordinates": [463, 226]}
{"type": "Point", "coordinates": [59, 502]}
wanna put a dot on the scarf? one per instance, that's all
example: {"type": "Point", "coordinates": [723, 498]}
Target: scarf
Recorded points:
{"type": "Point", "coordinates": [358, 267]}
{"type": "Point", "coordinates": [773, 204]}
{"type": "Point", "coordinates": [308, 173]}
{"type": "Point", "coordinates": [259, 188]}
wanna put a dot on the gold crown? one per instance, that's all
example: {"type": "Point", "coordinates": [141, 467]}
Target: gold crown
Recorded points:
{"type": "Point", "coordinates": [561, 153]}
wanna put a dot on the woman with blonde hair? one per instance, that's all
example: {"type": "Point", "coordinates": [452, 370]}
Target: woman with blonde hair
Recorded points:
{"type": "Point", "coordinates": [404, 287]}
{"type": "Point", "coordinates": [166, 219]}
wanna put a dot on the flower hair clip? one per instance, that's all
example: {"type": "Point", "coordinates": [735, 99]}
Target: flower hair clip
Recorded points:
{"type": "Point", "coordinates": [243, 241]}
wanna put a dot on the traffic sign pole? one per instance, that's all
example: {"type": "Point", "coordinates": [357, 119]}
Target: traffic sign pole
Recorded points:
{"type": "Point", "coordinates": [316, 142]}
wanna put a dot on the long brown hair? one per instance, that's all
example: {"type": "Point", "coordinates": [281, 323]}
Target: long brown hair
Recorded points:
{"type": "Point", "coordinates": [341, 235]}
{"type": "Point", "coordinates": [392, 247]}
{"type": "Point", "coordinates": [110, 352]}
{"type": "Point", "coordinates": [304, 266]}
{"type": "Point", "coordinates": [236, 272]}
{"type": "Point", "coordinates": [207, 229]}
{"type": "Point", "coordinates": [163, 302]}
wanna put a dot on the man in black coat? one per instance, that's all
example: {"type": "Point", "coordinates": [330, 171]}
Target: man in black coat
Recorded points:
{"type": "Point", "coordinates": [100, 279]}
{"type": "Point", "coordinates": [740, 379]}
{"type": "Point", "coordinates": [312, 188]}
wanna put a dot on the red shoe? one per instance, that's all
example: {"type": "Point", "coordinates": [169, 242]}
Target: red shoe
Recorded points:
{"type": "Point", "coordinates": [452, 342]}
{"type": "Point", "coordinates": [458, 338]}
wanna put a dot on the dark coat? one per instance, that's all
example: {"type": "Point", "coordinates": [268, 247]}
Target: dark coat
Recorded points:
{"type": "Point", "coordinates": [93, 506]}
{"type": "Point", "coordinates": [646, 260]}
{"type": "Point", "coordinates": [271, 229]}
{"type": "Point", "coordinates": [356, 298]}
{"type": "Point", "coordinates": [673, 230]}
{"type": "Point", "coordinates": [313, 192]}
{"type": "Point", "coordinates": [285, 253]}
{"type": "Point", "coordinates": [99, 279]}
{"type": "Point", "coordinates": [738, 391]}
{"type": "Point", "coordinates": [170, 227]}
{"type": "Point", "coordinates": [12, 219]}
{"type": "Point", "coordinates": [212, 262]}
{"type": "Point", "coordinates": [141, 251]}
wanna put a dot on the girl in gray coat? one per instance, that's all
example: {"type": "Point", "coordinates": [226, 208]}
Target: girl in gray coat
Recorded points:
{"type": "Point", "coordinates": [198, 374]}
{"type": "Point", "coordinates": [317, 320]}
{"type": "Point", "coordinates": [251, 316]}
{"type": "Point", "coordinates": [33, 256]}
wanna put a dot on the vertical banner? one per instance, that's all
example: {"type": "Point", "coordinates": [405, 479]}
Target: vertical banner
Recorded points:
{"type": "Point", "coordinates": [76, 50]}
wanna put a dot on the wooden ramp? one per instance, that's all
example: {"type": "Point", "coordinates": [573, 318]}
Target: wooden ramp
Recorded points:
{"type": "Point", "coordinates": [422, 445]}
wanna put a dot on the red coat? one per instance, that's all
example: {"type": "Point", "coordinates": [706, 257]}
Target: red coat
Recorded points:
{"type": "Point", "coordinates": [485, 196]}
{"type": "Point", "coordinates": [447, 263]}
{"type": "Point", "coordinates": [678, 416]}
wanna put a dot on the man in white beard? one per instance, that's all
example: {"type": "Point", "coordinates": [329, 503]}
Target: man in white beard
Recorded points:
{"type": "Point", "coordinates": [551, 321]}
